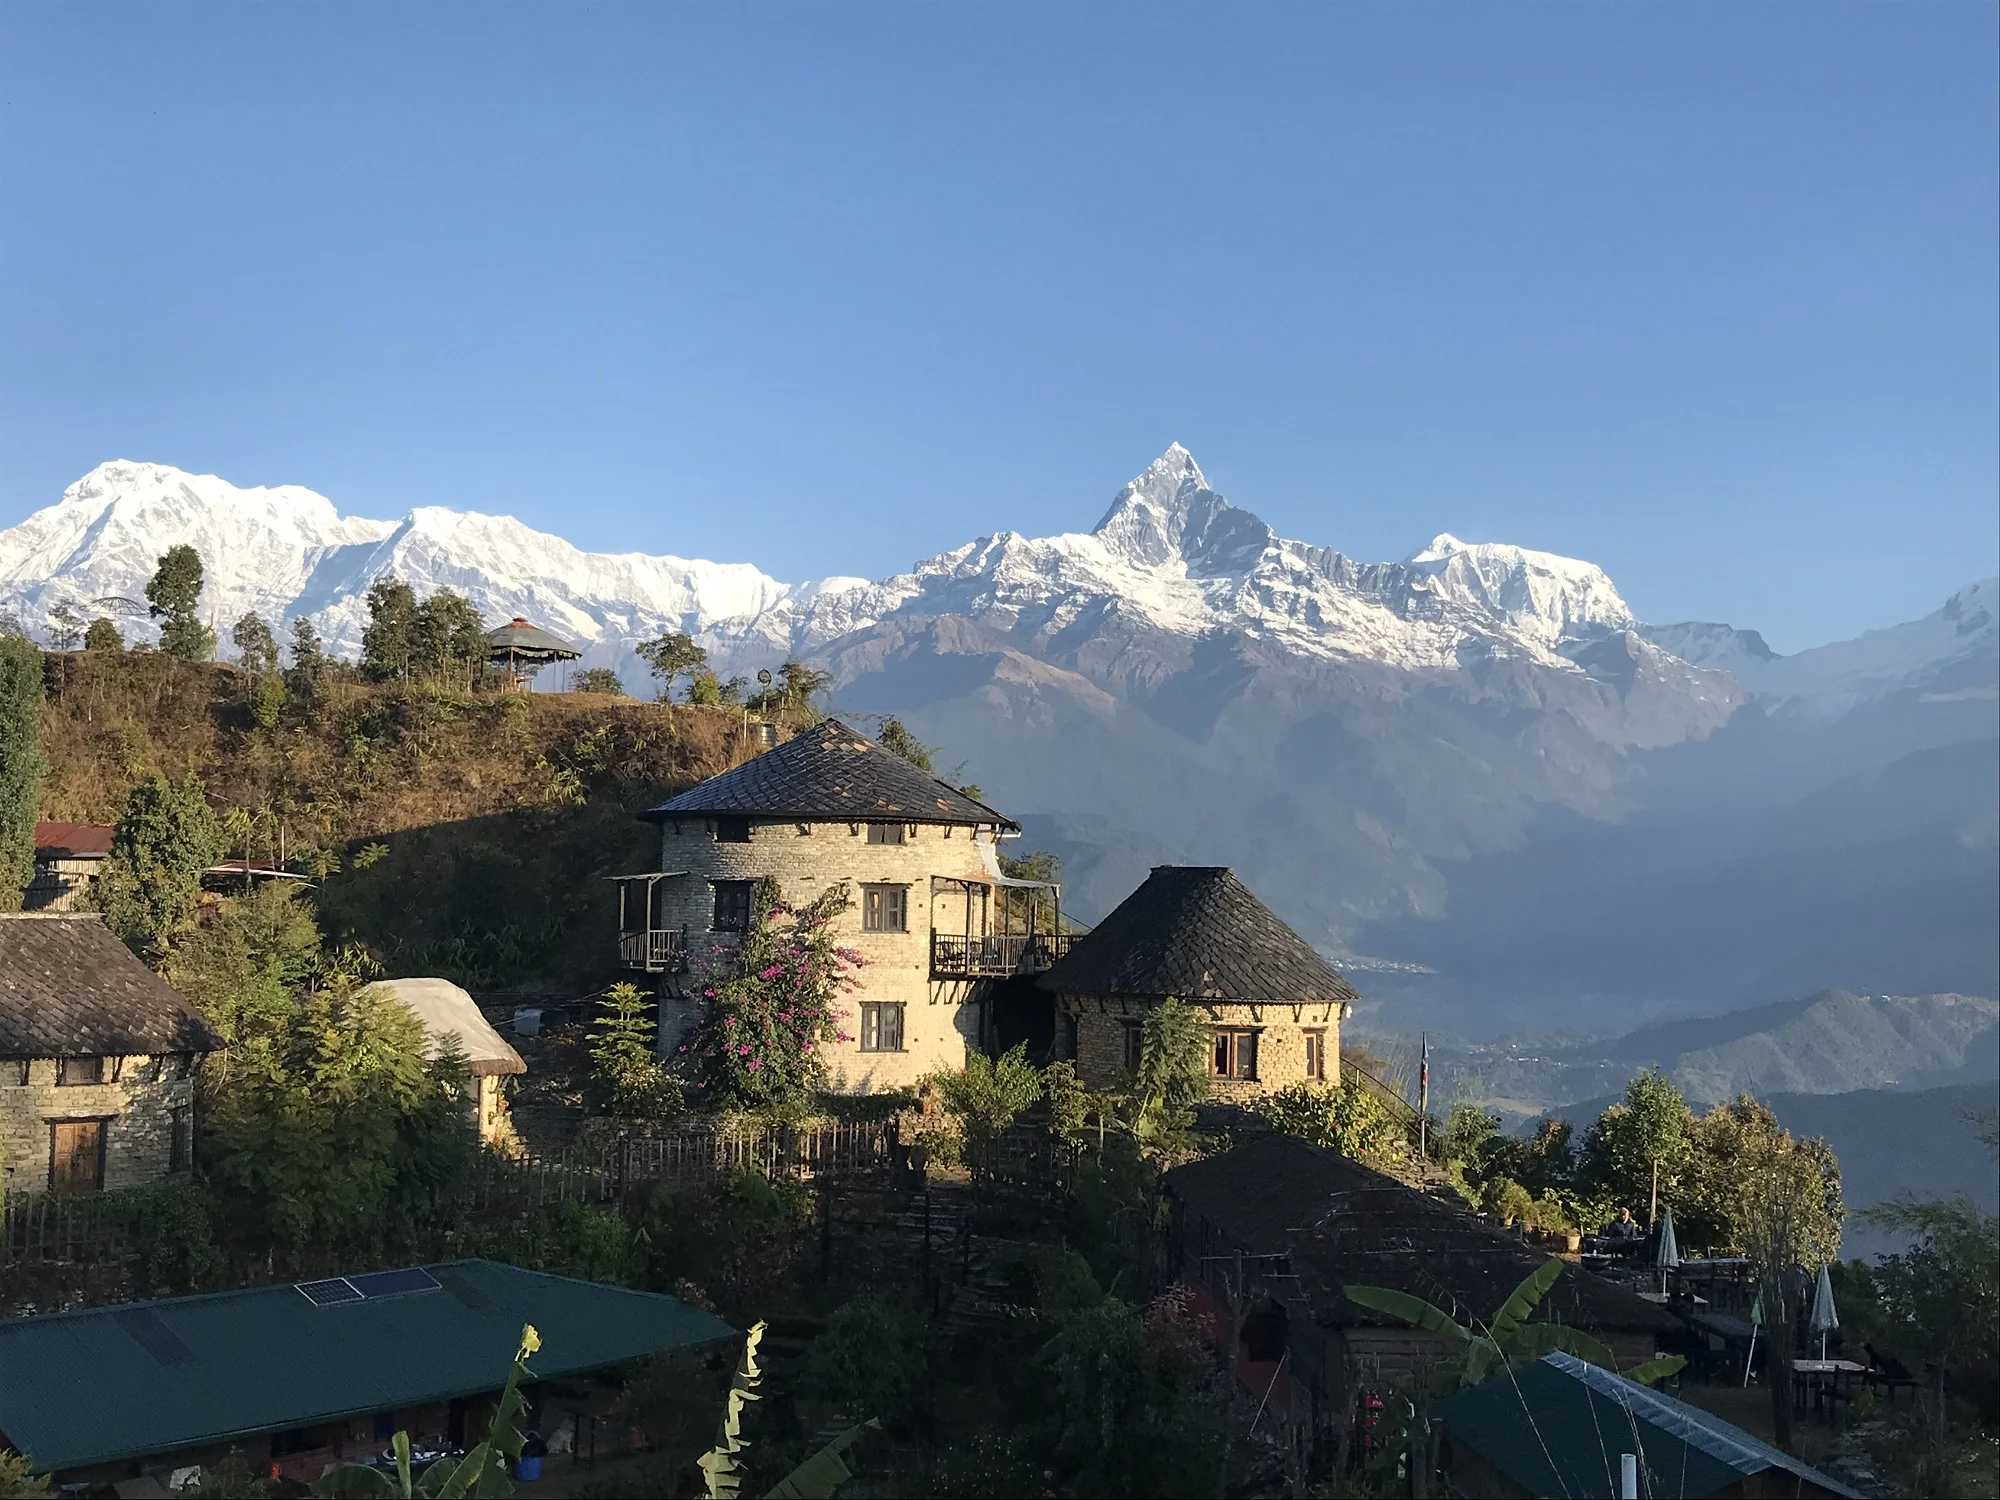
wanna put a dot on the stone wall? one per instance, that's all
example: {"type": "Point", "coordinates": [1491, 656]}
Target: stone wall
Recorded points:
{"type": "Point", "coordinates": [137, 1109]}
{"type": "Point", "coordinates": [1280, 1031]}
{"type": "Point", "coordinates": [941, 1018]}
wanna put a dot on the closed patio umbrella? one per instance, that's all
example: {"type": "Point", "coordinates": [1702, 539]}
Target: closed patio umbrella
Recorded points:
{"type": "Point", "coordinates": [1824, 1318]}
{"type": "Point", "coordinates": [1756, 1322]}
{"type": "Point", "coordinates": [1669, 1254]}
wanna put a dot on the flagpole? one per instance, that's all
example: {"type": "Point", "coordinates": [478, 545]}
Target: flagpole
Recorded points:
{"type": "Point", "coordinates": [1424, 1097]}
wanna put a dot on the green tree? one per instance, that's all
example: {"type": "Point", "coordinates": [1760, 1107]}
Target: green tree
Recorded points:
{"type": "Point", "coordinates": [256, 647]}
{"type": "Point", "coordinates": [174, 595]}
{"type": "Point", "coordinates": [388, 644]}
{"type": "Point", "coordinates": [1037, 903]}
{"type": "Point", "coordinates": [674, 655]}
{"type": "Point", "coordinates": [798, 684]}
{"type": "Point", "coordinates": [242, 967]}
{"type": "Point", "coordinates": [625, 1069]}
{"type": "Point", "coordinates": [1174, 1043]}
{"type": "Point", "coordinates": [164, 839]}
{"type": "Point", "coordinates": [870, 1358]}
{"type": "Point", "coordinates": [447, 639]}
{"type": "Point", "coordinates": [267, 700]}
{"type": "Point", "coordinates": [1349, 1119]}
{"type": "Point", "coordinates": [103, 636]}
{"type": "Point", "coordinates": [987, 1094]}
{"type": "Point", "coordinates": [308, 658]}
{"type": "Point", "coordinates": [1641, 1141]}
{"type": "Point", "coordinates": [22, 764]}
{"type": "Point", "coordinates": [66, 625]}
{"type": "Point", "coordinates": [333, 1127]}
{"type": "Point", "coordinates": [898, 741]}
{"type": "Point", "coordinates": [597, 680]}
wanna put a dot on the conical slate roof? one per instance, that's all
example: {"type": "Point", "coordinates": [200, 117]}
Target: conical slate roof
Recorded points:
{"type": "Point", "coordinates": [829, 773]}
{"type": "Point", "coordinates": [518, 636]}
{"type": "Point", "coordinates": [1196, 932]}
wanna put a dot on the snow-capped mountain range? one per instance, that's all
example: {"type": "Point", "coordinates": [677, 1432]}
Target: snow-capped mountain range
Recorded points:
{"type": "Point", "coordinates": [1473, 766]}
{"type": "Point", "coordinates": [1169, 552]}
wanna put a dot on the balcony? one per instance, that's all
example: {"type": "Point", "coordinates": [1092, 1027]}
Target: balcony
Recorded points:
{"type": "Point", "coordinates": [999, 956]}
{"type": "Point", "coordinates": [657, 950]}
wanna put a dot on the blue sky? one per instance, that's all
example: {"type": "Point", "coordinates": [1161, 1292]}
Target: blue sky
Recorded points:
{"type": "Point", "coordinates": [1706, 294]}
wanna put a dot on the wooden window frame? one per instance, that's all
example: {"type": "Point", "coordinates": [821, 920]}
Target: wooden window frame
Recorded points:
{"type": "Point", "coordinates": [1233, 1054]}
{"type": "Point", "coordinates": [888, 833]}
{"type": "Point", "coordinates": [65, 1064]}
{"type": "Point", "coordinates": [746, 890]}
{"type": "Point", "coordinates": [1132, 1044]}
{"type": "Point", "coordinates": [1315, 1054]}
{"type": "Point", "coordinates": [880, 903]}
{"type": "Point", "coordinates": [873, 1014]}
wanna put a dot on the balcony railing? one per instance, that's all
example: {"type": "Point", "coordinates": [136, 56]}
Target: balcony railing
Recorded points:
{"type": "Point", "coordinates": [995, 957]}
{"type": "Point", "coordinates": [659, 950]}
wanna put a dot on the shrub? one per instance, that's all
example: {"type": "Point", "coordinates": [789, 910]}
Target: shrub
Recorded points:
{"type": "Point", "coordinates": [870, 1360]}
{"type": "Point", "coordinates": [1349, 1119]}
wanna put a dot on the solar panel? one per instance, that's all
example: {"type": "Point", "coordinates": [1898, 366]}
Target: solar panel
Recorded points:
{"type": "Point", "coordinates": [327, 1293]}
{"type": "Point", "coordinates": [393, 1283]}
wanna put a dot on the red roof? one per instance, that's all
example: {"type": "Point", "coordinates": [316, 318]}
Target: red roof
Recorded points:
{"type": "Point", "coordinates": [72, 840]}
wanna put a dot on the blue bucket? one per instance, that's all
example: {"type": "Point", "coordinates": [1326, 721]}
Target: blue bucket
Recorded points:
{"type": "Point", "coordinates": [528, 1470]}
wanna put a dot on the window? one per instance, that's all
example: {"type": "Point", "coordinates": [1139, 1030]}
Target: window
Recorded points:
{"type": "Point", "coordinates": [885, 833]}
{"type": "Point", "coordinates": [180, 1143]}
{"type": "Point", "coordinates": [732, 830]}
{"type": "Point", "coordinates": [732, 906]}
{"type": "Point", "coordinates": [1316, 1056]}
{"type": "Point", "coordinates": [79, 1070]}
{"type": "Point", "coordinates": [15, 1072]}
{"type": "Point", "coordinates": [1235, 1054]}
{"type": "Point", "coordinates": [1131, 1041]}
{"type": "Point", "coordinates": [881, 1027]}
{"type": "Point", "coordinates": [884, 908]}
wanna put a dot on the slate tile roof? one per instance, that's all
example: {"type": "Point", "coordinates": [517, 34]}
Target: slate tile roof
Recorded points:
{"type": "Point", "coordinates": [829, 772]}
{"type": "Point", "coordinates": [69, 988]}
{"type": "Point", "coordinates": [1345, 1224]}
{"type": "Point", "coordinates": [1196, 932]}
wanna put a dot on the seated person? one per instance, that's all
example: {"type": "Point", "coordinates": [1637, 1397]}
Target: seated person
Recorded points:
{"type": "Point", "coordinates": [1624, 1227]}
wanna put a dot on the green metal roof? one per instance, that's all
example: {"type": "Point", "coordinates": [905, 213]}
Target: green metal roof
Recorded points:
{"type": "Point", "coordinates": [86, 1387]}
{"type": "Point", "coordinates": [1557, 1427]}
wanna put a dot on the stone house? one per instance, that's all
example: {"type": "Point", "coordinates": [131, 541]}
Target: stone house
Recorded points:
{"type": "Point", "coordinates": [97, 1060]}
{"type": "Point", "coordinates": [1196, 933]}
{"type": "Point", "coordinates": [929, 908]}
{"type": "Point", "coordinates": [447, 1011]}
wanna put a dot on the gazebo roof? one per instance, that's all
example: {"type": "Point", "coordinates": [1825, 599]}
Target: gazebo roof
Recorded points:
{"type": "Point", "coordinates": [518, 638]}
{"type": "Point", "coordinates": [1196, 932]}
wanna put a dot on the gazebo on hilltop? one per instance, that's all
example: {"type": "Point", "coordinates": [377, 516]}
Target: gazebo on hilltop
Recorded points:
{"type": "Point", "coordinates": [522, 650]}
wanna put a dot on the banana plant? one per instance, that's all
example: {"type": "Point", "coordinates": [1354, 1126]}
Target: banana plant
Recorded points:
{"type": "Point", "coordinates": [1508, 1338]}
{"type": "Point", "coordinates": [815, 1479]}
{"type": "Point", "coordinates": [480, 1474]}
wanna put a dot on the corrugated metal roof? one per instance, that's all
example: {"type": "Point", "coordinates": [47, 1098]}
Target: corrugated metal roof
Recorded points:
{"type": "Point", "coordinates": [88, 1387]}
{"type": "Point", "coordinates": [72, 840]}
{"type": "Point", "coordinates": [69, 988]}
{"type": "Point", "coordinates": [1557, 1427]}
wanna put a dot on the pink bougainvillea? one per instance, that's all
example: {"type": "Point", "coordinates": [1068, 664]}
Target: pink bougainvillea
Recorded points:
{"type": "Point", "coordinates": [772, 1005]}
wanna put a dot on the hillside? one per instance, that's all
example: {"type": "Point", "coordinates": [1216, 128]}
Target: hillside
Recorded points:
{"type": "Point", "coordinates": [497, 815]}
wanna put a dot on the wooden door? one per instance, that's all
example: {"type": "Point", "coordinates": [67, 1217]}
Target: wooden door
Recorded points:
{"type": "Point", "coordinates": [79, 1157]}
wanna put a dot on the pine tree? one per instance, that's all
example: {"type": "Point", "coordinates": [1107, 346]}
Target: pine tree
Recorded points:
{"type": "Point", "coordinates": [164, 839]}
{"type": "Point", "coordinates": [388, 643]}
{"type": "Point", "coordinates": [255, 644]}
{"type": "Point", "coordinates": [308, 658]}
{"type": "Point", "coordinates": [625, 1069]}
{"type": "Point", "coordinates": [22, 764]}
{"type": "Point", "coordinates": [174, 594]}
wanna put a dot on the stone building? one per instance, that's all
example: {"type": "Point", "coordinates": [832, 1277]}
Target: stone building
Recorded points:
{"type": "Point", "coordinates": [97, 1060]}
{"type": "Point", "coordinates": [1196, 933]}
{"type": "Point", "coordinates": [448, 1012]}
{"type": "Point", "coordinates": [928, 908]}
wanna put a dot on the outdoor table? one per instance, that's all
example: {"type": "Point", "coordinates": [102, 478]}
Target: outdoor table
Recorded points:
{"type": "Point", "coordinates": [1736, 1333]}
{"type": "Point", "coordinates": [1830, 1381]}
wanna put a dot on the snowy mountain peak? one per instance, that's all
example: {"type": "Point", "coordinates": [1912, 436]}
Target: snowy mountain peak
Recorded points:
{"type": "Point", "coordinates": [1150, 516]}
{"type": "Point", "coordinates": [1547, 597]}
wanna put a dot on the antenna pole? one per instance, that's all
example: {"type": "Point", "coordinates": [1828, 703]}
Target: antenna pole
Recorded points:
{"type": "Point", "coordinates": [1424, 1097]}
